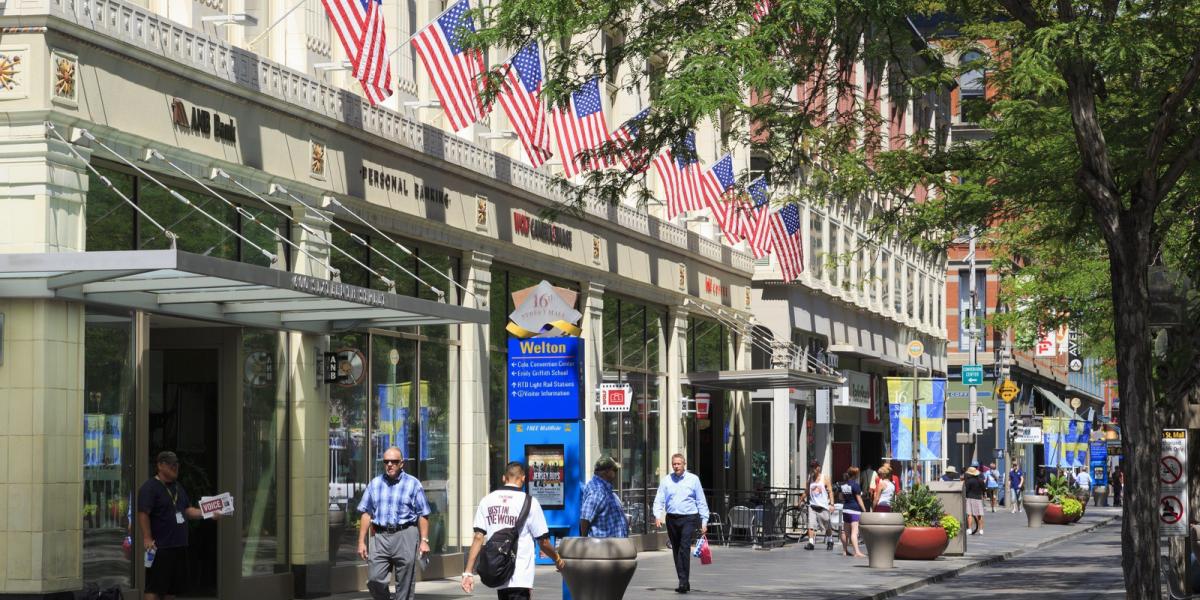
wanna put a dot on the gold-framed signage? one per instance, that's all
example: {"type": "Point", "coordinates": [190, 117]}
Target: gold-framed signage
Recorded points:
{"type": "Point", "coordinates": [544, 311]}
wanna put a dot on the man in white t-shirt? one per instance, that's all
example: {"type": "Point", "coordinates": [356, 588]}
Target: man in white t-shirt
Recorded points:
{"type": "Point", "coordinates": [1083, 480]}
{"type": "Point", "coordinates": [500, 510]}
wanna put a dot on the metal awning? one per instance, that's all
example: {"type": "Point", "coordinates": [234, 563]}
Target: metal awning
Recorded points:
{"type": "Point", "coordinates": [761, 379]}
{"type": "Point", "coordinates": [173, 282]}
{"type": "Point", "coordinates": [1062, 406]}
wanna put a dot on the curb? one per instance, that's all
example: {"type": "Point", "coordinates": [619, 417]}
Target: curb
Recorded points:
{"type": "Point", "coordinates": [984, 562]}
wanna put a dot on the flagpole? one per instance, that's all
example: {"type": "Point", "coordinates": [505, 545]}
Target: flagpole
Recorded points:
{"type": "Point", "coordinates": [277, 22]}
{"type": "Point", "coordinates": [414, 36]}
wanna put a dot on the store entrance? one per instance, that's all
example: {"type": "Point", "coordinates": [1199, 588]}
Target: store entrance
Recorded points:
{"type": "Point", "coordinates": [184, 395]}
{"type": "Point", "coordinates": [186, 383]}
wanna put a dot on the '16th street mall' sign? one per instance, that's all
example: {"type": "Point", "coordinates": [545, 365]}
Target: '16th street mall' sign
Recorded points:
{"type": "Point", "coordinates": [1172, 475]}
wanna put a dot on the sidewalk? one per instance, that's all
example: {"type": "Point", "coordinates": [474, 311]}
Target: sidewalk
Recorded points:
{"type": "Point", "coordinates": [795, 573]}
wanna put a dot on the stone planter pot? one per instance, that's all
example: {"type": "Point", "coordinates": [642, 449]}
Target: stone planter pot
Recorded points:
{"type": "Point", "coordinates": [1054, 515]}
{"type": "Point", "coordinates": [1035, 508]}
{"type": "Point", "coordinates": [882, 532]}
{"type": "Point", "coordinates": [598, 568]}
{"type": "Point", "coordinates": [922, 543]}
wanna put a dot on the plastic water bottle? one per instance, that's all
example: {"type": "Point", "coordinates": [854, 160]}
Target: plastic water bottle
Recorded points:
{"type": "Point", "coordinates": [149, 557]}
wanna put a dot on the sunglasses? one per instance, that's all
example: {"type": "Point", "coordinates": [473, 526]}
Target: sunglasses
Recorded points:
{"type": "Point", "coordinates": [391, 462]}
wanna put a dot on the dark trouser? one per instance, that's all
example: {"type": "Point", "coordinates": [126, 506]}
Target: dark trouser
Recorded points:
{"type": "Point", "coordinates": [682, 531]}
{"type": "Point", "coordinates": [514, 594]}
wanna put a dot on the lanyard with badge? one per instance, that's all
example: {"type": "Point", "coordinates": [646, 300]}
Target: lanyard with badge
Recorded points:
{"type": "Point", "coordinates": [174, 502]}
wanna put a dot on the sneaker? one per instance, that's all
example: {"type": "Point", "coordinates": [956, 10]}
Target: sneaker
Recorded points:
{"type": "Point", "coordinates": [809, 546]}
{"type": "Point", "coordinates": [972, 532]}
{"type": "Point", "coordinates": [829, 545]}
{"type": "Point", "coordinates": [980, 532]}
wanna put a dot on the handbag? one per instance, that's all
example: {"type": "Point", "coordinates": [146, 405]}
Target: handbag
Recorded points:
{"type": "Point", "coordinates": [705, 550]}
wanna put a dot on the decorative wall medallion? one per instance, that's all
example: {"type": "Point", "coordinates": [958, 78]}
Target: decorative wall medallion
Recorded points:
{"type": "Point", "coordinates": [316, 165]}
{"type": "Point", "coordinates": [747, 297]}
{"type": "Point", "coordinates": [481, 212]}
{"type": "Point", "coordinates": [10, 70]}
{"type": "Point", "coordinates": [596, 249]}
{"type": "Point", "coordinates": [65, 68]}
{"type": "Point", "coordinates": [682, 277]}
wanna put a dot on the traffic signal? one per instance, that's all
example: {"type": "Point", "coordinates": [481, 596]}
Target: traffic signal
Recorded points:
{"type": "Point", "coordinates": [1013, 428]}
{"type": "Point", "coordinates": [987, 418]}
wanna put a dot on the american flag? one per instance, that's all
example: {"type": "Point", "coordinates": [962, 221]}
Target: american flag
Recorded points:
{"type": "Point", "coordinates": [785, 242]}
{"type": "Point", "coordinates": [519, 97]}
{"type": "Point", "coordinates": [453, 69]}
{"type": "Point", "coordinates": [579, 127]}
{"type": "Point", "coordinates": [359, 25]}
{"type": "Point", "coordinates": [718, 182]}
{"type": "Point", "coordinates": [761, 9]}
{"type": "Point", "coordinates": [681, 177]}
{"type": "Point", "coordinates": [624, 137]}
{"type": "Point", "coordinates": [756, 228]}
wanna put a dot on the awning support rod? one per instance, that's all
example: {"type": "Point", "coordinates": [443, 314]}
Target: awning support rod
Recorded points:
{"type": "Point", "coordinates": [174, 194]}
{"type": "Point", "coordinates": [242, 211]}
{"type": "Point", "coordinates": [71, 148]}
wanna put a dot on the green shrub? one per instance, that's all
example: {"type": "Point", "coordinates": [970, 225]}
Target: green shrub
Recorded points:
{"type": "Point", "coordinates": [1059, 488]}
{"type": "Point", "coordinates": [1071, 507]}
{"type": "Point", "coordinates": [951, 525]}
{"type": "Point", "coordinates": [920, 507]}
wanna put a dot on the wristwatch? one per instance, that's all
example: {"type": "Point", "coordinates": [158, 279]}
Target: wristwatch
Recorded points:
{"type": "Point", "coordinates": [468, 574]}
{"type": "Point", "coordinates": [426, 540]}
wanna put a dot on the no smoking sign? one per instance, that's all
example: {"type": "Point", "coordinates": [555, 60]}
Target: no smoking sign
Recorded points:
{"type": "Point", "coordinates": [1172, 474]}
{"type": "Point", "coordinates": [1170, 470]}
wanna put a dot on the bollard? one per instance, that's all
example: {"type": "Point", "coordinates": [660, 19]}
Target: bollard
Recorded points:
{"type": "Point", "coordinates": [598, 568]}
{"type": "Point", "coordinates": [1035, 507]}
{"type": "Point", "coordinates": [882, 531]}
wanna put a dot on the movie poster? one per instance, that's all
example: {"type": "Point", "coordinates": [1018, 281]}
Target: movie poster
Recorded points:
{"type": "Point", "coordinates": [547, 480]}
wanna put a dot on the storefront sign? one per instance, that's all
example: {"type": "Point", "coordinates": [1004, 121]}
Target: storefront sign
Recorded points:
{"type": "Point", "coordinates": [1173, 477]}
{"type": "Point", "coordinates": [532, 227]}
{"type": "Point", "coordinates": [713, 288]}
{"type": "Point", "coordinates": [1028, 435]}
{"type": "Point", "coordinates": [203, 122]}
{"type": "Point", "coordinates": [544, 310]}
{"type": "Point", "coordinates": [399, 182]}
{"type": "Point", "coordinates": [337, 290]}
{"type": "Point", "coordinates": [543, 378]}
{"type": "Point", "coordinates": [855, 393]}
{"type": "Point", "coordinates": [614, 397]}
{"type": "Point", "coordinates": [329, 367]}
{"type": "Point", "coordinates": [703, 404]}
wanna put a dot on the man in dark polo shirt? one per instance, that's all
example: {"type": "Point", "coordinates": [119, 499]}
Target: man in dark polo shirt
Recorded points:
{"type": "Point", "coordinates": [163, 511]}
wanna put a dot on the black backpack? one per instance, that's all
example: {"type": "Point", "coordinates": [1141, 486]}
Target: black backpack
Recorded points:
{"type": "Point", "coordinates": [498, 559]}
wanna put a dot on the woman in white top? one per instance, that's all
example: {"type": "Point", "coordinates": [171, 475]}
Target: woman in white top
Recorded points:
{"type": "Point", "coordinates": [819, 494]}
{"type": "Point", "coordinates": [884, 490]}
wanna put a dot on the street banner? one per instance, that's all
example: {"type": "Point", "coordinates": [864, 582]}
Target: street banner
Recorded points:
{"type": "Point", "coordinates": [931, 417]}
{"type": "Point", "coordinates": [1173, 479]}
{"type": "Point", "coordinates": [1065, 442]}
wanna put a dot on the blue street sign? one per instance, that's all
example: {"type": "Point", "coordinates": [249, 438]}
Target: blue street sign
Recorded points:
{"type": "Point", "coordinates": [972, 374]}
{"type": "Point", "coordinates": [544, 378]}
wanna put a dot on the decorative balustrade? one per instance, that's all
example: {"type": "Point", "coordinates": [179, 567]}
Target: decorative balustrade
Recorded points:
{"type": "Point", "coordinates": [245, 69]}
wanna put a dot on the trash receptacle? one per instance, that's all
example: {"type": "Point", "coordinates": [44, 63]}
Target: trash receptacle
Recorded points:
{"type": "Point", "coordinates": [598, 568]}
{"type": "Point", "coordinates": [955, 503]}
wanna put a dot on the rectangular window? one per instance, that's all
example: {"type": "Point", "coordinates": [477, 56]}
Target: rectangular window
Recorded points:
{"type": "Point", "coordinates": [964, 306]}
{"type": "Point", "coordinates": [197, 233]}
{"type": "Point", "coordinates": [816, 246]}
{"type": "Point", "coordinates": [350, 465]}
{"type": "Point", "coordinates": [109, 452]}
{"type": "Point", "coordinates": [109, 218]}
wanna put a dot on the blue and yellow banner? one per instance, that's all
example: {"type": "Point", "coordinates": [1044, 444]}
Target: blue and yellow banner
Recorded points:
{"type": "Point", "coordinates": [931, 417]}
{"type": "Point", "coordinates": [1065, 442]}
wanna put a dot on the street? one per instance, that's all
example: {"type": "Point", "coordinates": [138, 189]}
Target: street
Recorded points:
{"type": "Point", "coordinates": [1010, 560]}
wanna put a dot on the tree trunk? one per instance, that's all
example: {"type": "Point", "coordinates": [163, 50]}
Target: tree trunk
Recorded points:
{"type": "Point", "coordinates": [1129, 263]}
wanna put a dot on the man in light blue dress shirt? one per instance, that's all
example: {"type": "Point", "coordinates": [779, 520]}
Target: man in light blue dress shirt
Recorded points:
{"type": "Point", "coordinates": [680, 502]}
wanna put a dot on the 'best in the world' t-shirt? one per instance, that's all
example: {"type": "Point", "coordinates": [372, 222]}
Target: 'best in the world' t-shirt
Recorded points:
{"type": "Point", "coordinates": [499, 510]}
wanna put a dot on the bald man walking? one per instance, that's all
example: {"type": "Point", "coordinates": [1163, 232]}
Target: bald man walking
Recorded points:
{"type": "Point", "coordinates": [395, 511]}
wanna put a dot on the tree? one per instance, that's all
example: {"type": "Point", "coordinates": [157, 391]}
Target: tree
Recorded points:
{"type": "Point", "coordinates": [1093, 134]}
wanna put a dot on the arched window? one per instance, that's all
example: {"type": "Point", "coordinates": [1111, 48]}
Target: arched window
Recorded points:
{"type": "Point", "coordinates": [971, 84]}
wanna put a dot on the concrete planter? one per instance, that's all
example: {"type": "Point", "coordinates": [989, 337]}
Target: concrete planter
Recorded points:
{"type": "Point", "coordinates": [598, 568]}
{"type": "Point", "coordinates": [882, 532]}
{"type": "Point", "coordinates": [922, 543]}
{"type": "Point", "coordinates": [1035, 508]}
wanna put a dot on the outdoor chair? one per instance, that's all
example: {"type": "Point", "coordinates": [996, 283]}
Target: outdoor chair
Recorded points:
{"type": "Point", "coordinates": [1173, 585]}
{"type": "Point", "coordinates": [742, 518]}
{"type": "Point", "coordinates": [716, 528]}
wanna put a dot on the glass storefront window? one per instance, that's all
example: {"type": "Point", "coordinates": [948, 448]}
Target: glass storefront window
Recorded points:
{"type": "Point", "coordinates": [109, 218]}
{"type": "Point", "coordinates": [108, 448]}
{"type": "Point", "coordinates": [349, 448]}
{"type": "Point", "coordinates": [439, 384]}
{"type": "Point", "coordinates": [262, 501]}
{"type": "Point", "coordinates": [352, 273]}
{"type": "Point", "coordinates": [197, 233]}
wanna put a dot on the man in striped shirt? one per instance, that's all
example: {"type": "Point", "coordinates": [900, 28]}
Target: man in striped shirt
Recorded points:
{"type": "Point", "coordinates": [395, 510]}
